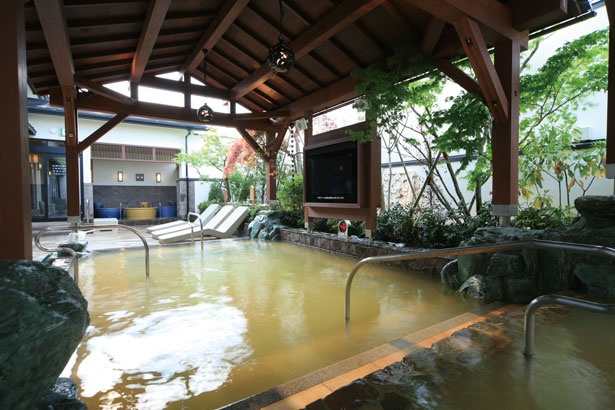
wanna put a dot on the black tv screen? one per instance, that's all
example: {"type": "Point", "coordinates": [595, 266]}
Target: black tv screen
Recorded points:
{"type": "Point", "coordinates": [331, 173]}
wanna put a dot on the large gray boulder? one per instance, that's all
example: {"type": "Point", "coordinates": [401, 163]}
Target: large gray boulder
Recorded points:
{"type": "Point", "coordinates": [266, 225]}
{"type": "Point", "coordinates": [43, 317]}
{"type": "Point", "coordinates": [520, 276]}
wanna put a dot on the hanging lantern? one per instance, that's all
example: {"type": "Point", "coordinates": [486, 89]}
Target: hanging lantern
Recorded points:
{"type": "Point", "coordinates": [205, 113]}
{"type": "Point", "coordinates": [281, 57]}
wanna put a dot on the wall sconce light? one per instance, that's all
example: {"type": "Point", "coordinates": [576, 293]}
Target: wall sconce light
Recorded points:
{"type": "Point", "coordinates": [158, 177]}
{"type": "Point", "coordinates": [120, 176]}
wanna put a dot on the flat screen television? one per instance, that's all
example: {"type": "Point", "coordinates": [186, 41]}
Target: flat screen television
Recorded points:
{"type": "Point", "coordinates": [332, 173]}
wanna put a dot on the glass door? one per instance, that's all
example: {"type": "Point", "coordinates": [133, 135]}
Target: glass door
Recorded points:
{"type": "Point", "coordinates": [56, 186]}
{"type": "Point", "coordinates": [38, 187]}
{"type": "Point", "coordinates": [47, 186]}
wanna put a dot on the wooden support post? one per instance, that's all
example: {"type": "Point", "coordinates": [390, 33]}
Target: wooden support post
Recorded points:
{"type": "Point", "coordinates": [610, 122]}
{"type": "Point", "coordinates": [505, 139]}
{"type": "Point", "coordinates": [73, 209]}
{"type": "Point", "coordinates": [272, 170]}
{"type": "Point", "coordinates": [15, 208]}
{"type": "Point", "coordinates": [307, 135]}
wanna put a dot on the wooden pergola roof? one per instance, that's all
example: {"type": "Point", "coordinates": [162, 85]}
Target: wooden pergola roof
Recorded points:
{"type": "Point", "coordinates": [69, 49]}
{"type": "Point", "coordinates": [93, 42]}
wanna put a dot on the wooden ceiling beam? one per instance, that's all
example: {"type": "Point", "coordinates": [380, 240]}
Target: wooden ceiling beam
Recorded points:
{"type": "Point", "coordinates": [528, 13]}
{"type": "Point", "coordinates": [223, 20]}
{"type": "Point", "coordinates": [490, 13]}
{"type": "Point", "coordinates": [432, 35]}
{"type": "Point", "coordinates": [474, 45]}
{"type": "Point", "coordinates": [53, 23]}
{"type": "Point", "coordinates": [156, 14]}
{"type": "Point", "coordinates": [99, 103]}
{"type": "Point", "coordinates": [335, 21]}
{"type": "Point", "coordinates": [398, 16]}
{"type": "Point", "coordinates": [326, 97]}
{"type": "Point", "coordinates": [182, 87]}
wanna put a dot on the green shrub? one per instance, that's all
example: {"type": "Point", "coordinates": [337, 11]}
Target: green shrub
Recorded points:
{"type": "Point", "coordinates": [430, 227]}
{"type": "Point", "coordinates": [290, 197]}
{"type": "Point", "coordinates": [396, 225]}
{"type": "Point", "coordinates": [215, 195]}
{"type": "Point", "coordinates": [324, 225]}
{"type": "Point", "coordinates": [543, 218]}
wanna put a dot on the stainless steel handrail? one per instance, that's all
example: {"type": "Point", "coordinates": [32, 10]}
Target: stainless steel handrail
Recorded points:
{"type": "Point", "coordinates": [534, 305]}
{"type": "Point", "coordinates": [192, 226]}
{"type": "Point", "coordinates": [89, 228]}
{"type": "Point", "coordinates": [595, 250]}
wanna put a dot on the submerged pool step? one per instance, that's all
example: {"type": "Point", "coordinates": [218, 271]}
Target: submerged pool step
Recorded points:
{"type": "Point", "coordinates": [299, 392]}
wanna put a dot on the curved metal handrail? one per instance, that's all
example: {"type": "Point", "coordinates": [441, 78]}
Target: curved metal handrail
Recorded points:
{"type": "Point", "coordinates": [198, 217]}
{"type": "Point", "coordinates": [89, 228]}
{"type": "Point", "coordinates": [595, 250]}
{"type": "Point", "coordinates": [534, 305]}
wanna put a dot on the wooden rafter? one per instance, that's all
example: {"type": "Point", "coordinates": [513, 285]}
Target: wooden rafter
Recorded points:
{"type": "Point", "coordinates": [338, 19]}
{"type": "Point", "coordinates": [526, 13]}
{"type": "Point", "coordinates": [478, 54]}
{"type": "Point", "coordinates": [214, 32]}
{"type": "Point", "coordinates": [398, 16]}
{"type": "Point", "coordinates": [491, 13]}
{"type": "Point", "coordinates": [184, 87]}
{"type": "Point", "coordinates": [99, 103]}
{"type": "Point", "coordinates": [432, 35]}
{"type": "Point", "coordinates": [151, 27]}
{"type": "Point", "coordinates": [334, 94]}
{"type": "Point", "coordinates": [53, 22]}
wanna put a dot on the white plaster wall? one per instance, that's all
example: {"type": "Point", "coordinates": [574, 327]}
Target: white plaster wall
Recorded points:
{"type": "Point", "coordinates": [105, 173]}
{"type": "Point", "coordinates": [51, 127]}
{"type": "Point", "coordinates": [401, 189]}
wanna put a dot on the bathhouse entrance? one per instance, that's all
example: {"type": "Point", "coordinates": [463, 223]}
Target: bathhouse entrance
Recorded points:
{"type": "Point", "coordinates": [47, 180]}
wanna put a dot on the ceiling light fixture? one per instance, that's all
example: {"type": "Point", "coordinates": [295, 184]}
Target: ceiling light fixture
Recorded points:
{"type": "Point", "coordinates": [281, 56]}
{"type": "Point", "coordinates": [205, 113]}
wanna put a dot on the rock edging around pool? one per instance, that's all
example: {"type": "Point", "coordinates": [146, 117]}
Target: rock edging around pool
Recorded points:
{"type": "Point", "coordinates": [361, 248]}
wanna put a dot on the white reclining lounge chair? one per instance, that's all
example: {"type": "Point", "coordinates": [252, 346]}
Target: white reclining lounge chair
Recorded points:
{"type": "Point", "coordinates": [187, 233]}
{"type": "Point", "coordinates": [204, 218]}
{"type": "Point", "coordinates": [230, 225]}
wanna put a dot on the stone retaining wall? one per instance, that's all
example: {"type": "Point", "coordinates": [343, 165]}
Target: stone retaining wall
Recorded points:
{"type": "Point", "coordinates": [361, 248]}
